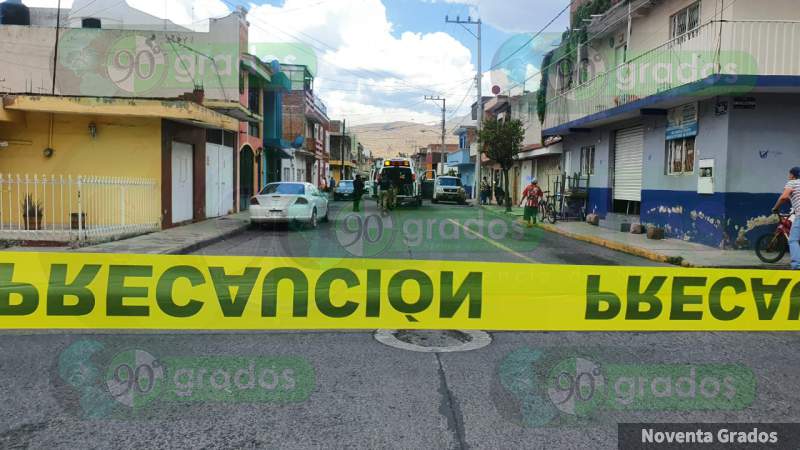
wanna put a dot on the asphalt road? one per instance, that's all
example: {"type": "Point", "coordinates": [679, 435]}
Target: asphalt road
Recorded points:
{"type": "Point", "coordinates": [347, 390]}
{"type": "Point", "coordinates": [447, 232]}
{"type": "Point", "coordinates": [359, 393]}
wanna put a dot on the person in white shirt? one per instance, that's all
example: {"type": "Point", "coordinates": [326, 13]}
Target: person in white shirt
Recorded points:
{"type": "Point", "coordinates": [791, 193]}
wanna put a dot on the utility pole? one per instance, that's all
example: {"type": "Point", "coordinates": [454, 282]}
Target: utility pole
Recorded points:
{"type": "Point", "coordinates": [444, 127]}
{"type": "Point", "coordinates": [478, 81]}
{"type": "Point", "coordinates": [341, 150]}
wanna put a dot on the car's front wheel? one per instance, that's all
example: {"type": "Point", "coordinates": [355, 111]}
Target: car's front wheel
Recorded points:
{"type": "Point", "coordinates": [313, 223]}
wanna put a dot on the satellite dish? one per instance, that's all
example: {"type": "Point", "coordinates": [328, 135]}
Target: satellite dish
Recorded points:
{"type": "Point", "coordinates": [276, 66]}
{"type": "Point", "coordinates": [298, 141]}
{"type": "Point", "coordinates": [496, 90]}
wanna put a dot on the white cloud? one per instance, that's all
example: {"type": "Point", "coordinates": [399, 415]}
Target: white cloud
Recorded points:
{"type": "Point", "coordinates": [365, 73]}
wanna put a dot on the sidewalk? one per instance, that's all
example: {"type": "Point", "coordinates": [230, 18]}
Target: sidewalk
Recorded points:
{"type": "Point", "coordinates": [516, 211]}
{"type": "Point", "coordinates": [672, 251]}
{"type": "Point", "coordinates": [178, 240]}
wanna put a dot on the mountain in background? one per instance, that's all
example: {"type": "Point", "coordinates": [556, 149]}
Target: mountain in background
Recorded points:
{"type": "Point", "coordinates": [393, 138]}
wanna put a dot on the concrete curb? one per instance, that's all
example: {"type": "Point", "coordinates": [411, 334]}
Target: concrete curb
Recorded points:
{"type": "Point", "coordinates": [496, 212]}
{"type": "Point", "coordinates": [625, 248]}
{"type": "Point", "coordinates": [611, 245]}
{"type": "Point", "coordinates": [194, 246]}
{"type": "Point", "coordinates": [125, 246]}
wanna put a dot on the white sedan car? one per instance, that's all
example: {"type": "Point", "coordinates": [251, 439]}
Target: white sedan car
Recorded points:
{"type": "Point", "coordinates": [289, 202]}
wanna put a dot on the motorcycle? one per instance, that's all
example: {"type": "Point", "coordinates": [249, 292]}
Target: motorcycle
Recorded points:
{"type": "Point", "coordinates": [772, 247]}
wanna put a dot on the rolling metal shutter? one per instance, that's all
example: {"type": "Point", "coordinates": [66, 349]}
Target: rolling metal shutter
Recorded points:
{"type": "Point", "coordinates": [628, 164]}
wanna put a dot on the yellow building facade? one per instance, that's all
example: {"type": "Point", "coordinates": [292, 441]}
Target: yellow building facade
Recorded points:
{"type": "Point", "coordinates": [120, 149]}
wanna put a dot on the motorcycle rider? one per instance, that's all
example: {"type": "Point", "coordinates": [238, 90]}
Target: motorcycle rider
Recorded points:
{"type": "Point", "coordinates": [791, 193]}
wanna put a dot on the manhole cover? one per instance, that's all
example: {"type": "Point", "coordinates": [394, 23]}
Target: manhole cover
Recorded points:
{"type": "Point", "coordinates": [439, 341]}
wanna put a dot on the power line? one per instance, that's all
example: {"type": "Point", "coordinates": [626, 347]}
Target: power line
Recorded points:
{"type": "Point", "coordinates": [324, 44]}
{"type": "Point", "coordinates": [537, 34]}
{"type": "Point", "coordinates": [55, 46]}
{"type": "Point", "coordinates": [478, 84]}
{"type": "Point", "coordinates": [588, 39]}
{"type": "Point", "coordinates": [444, 126]}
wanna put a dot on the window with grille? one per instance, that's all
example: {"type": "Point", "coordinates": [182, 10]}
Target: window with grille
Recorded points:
{"type": "Point", "coordinates": [680, 156]}
{"type": "Point", "coordinates": [587, 160]}
{"type": "Point", "coordinates": [254, 130]}
{"type": "Point", "coordinates": [684, 23]}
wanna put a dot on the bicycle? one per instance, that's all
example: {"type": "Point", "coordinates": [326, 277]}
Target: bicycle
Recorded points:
{"type": "Point", "coordinates": [772, 247]}
{"type": "Point", "coordinates": [547, 210]}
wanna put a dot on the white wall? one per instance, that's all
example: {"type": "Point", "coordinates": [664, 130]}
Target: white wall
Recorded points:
{"type": "Point", "coordinates": [166, 69]}
{"type": "Point", "coordinates": [766, 10]}
{"type": "Point", "coordinates": [530, 120]}
{"type": "Point", "coordinates": [117, 15]}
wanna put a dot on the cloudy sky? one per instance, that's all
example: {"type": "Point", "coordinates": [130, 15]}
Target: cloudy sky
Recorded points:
{"type": "Point", "coordinates": [377, 59]}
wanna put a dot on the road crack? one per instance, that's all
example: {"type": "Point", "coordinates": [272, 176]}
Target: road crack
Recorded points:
{"type": "Point", "coordinates": [448, 407]}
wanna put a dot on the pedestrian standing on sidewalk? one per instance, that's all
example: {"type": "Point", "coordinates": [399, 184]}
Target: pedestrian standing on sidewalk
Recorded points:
{"type": "Point", "coordinates": [486, 190]}
{"type": "Point", "coordinates": [531, 197]}
{"type": "Point", "coordinates": [358, 191]}
{"type": "Point", "coordinates": [791, 193]}
{"type": "Point", "coordinates": [499, 195]}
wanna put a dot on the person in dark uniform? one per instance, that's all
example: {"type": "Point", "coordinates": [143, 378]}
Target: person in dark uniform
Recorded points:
{"type": "Point", "coordinates": [383, 194]}
{"type": "Point", "coordinates": [358, 191]}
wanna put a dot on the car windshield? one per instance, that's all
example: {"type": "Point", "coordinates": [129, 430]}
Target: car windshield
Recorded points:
{"type": "Point", "coordinates": [449, 182]}
{"type": "Point", "coordinates": [346, 184]}
{"type": "Point", "coordinates": [284, 189]}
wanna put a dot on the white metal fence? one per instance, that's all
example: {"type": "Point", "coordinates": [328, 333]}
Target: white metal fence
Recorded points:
{"type": "Point", "coordinates": [64, 208]}
{"type": "Point", "coordinates": [714, 48]}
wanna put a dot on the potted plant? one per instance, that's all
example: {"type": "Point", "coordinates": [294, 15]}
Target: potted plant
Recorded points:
{"type": "Point", "coordinates": [33, 213]}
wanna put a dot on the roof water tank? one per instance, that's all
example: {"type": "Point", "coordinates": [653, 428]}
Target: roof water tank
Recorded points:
{"type": "Point", "coordinates": [13, 12]}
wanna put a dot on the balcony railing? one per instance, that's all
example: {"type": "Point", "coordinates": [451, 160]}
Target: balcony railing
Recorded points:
{"type": "Point", "coordinates": [316, 102]}
{"type": "Point", "coordinates": [717, 47]}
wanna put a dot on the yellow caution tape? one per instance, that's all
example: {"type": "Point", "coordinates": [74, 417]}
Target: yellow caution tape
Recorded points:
{"type": "Point", "coordinates": [88, 291]}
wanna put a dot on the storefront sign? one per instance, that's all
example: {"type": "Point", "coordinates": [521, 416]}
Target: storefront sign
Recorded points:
{"type": "Point", "coordinates": [744, 103]}
{"type": "Point", "coordinates": [682, 122]}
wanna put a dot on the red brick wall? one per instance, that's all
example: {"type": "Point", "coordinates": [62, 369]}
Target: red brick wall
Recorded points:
{"type": "Point", "coordinates": [294, 118]}
{"type": "Point", "coordinates": [196, 137]}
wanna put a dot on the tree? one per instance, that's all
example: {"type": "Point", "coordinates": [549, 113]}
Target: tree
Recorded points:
{"type": "Point", "coordinates": [501, 142]}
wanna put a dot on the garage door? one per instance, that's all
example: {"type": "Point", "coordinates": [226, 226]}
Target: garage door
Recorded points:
{"type": "Point", "coordinates": [182, 182]}
{"type": "Point", "coordinates": [219, 180]}
{"type": "Point", "coordinates": [628, 164]}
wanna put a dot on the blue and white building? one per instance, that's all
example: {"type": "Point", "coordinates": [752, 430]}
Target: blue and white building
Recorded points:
{"type": "Point", "coordinates": [684, 114]}
{"type": "Point", "coordinates": [463, 160]}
